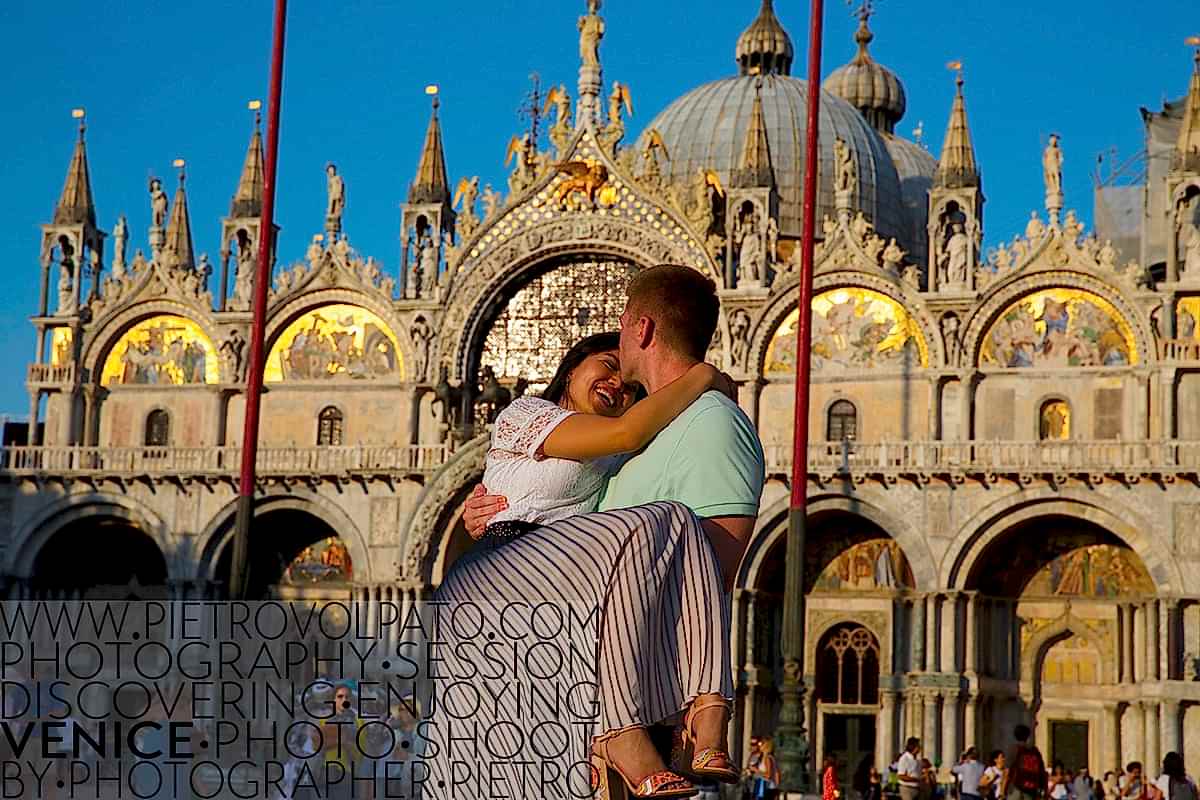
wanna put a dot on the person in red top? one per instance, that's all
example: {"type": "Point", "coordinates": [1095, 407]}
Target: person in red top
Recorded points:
{"type": "Point", "coordinates": [829, 782]}
{"type": "Point", "coordinates": [1026, 776]}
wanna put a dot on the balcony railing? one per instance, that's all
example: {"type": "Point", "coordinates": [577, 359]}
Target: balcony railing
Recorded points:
{"type": "Point", "coordinates": [50, 373]}
{"type": "Point", "coordinates": [1180, 350]}
{"type": "Point", "coordinates": [992, 456]}
{"type": "Point", "coordinates": [199, 461]}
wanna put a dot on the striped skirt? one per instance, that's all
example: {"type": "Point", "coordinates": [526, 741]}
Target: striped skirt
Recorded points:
{"type": "Point", "coordinates": [592, 624]}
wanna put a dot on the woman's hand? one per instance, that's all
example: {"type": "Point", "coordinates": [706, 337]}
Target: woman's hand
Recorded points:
{"type": "Point", "coordinates": [721, 382]}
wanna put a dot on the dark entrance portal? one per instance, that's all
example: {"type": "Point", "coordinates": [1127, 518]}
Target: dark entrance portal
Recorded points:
{"type": "Point", "coordinates": [850, 738]}
{"type": "Point", "coordinates": [1069, 743]}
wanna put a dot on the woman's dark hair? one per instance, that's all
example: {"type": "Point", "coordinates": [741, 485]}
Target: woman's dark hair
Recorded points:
{"type": "Point", "coordinates": [587, 346]}
{"type": "Point", "coordinates": [994, 755]}
{"type": "Point", "coordinates": [1173, 765]}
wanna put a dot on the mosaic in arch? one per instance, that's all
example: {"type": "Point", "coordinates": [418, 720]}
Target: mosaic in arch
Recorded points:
{"type": "Point", "coordinates": [1059, 328]}
{"type": "Point", "coordinates": [334, 342]}
{"type": "Point", "coordinates": [163, 349]}
{"type": "Point", "coordinates": [853, 328]}
{"type": "Point", "coordinates": [874, 564]}
{"type": "Point", "coordinates": [1187, 314]}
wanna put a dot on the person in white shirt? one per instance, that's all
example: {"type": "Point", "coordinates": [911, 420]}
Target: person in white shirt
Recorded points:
{"type": "Point", "coordinates": [908, 769]}
{"type": "Point", "coordinates": [969, 771]}
{"type": "Point", "coordinates": [993, 776]}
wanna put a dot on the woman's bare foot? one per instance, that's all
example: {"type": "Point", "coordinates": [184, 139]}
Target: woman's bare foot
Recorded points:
{"type": "Point", "coordinates": [632, 754]}
{"type": "Point", "coordinates": [709, 725]}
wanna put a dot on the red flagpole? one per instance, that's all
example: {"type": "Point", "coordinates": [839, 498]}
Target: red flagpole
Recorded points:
{"type": "Point", "coordinates": [793, 750]}
{"type": "Point", "coordinates": [238, 566]}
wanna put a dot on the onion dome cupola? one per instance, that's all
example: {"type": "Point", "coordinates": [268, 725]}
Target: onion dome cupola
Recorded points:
{"type": "Point", "coordinates": [765, 47]}
{"type": "Point", "coordinates": [868, 85]}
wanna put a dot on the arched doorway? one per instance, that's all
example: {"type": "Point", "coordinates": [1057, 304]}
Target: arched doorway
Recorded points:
{"type": "Point", "coordinates": [293, 555]}
{"type": "Point", "coordinates": [1066, 615]}
{"type": "Point", "coordinates": [847, 699]}
{"type": "Point", "coordinates": [100, 557]}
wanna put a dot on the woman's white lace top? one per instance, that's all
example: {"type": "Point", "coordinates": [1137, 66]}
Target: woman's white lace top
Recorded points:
{"type": "Point", "coordinates": [539, 489]}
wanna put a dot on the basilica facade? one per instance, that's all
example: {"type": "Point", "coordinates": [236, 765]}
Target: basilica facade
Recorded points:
{"type": "Point", "coordinates": [1004, 474]}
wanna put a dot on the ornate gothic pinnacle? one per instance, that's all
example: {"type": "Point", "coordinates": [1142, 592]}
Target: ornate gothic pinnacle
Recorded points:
{"type": "Point", "coordinates": [75, 205]}
{"type": "Point", "coordinates": [1188, 146]}
{"type": "Point", "coordinates": [755, 168]}
{"type": "Point", "coordinates": [248, 198]}
{"type": "Point", "coordinates": [431, 184]}
{"type": "Point", "coordinates": [179, 228]}
{"type": "Point", "coordinates": [957, 165]}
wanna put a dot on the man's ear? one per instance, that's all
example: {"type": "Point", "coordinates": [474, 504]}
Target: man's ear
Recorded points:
{"type": "Point", "coordinates": [645, 332]}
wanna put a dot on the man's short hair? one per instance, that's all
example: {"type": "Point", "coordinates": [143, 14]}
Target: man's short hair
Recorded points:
{"type": "Point", "coordinates": [683, 304]}
{"type": "Point", "coordinates": [1133, 765]}
{"type": "Point", "coordinates": [1021, 733]}
{"type": "Point", "coordinates": [911, 743]}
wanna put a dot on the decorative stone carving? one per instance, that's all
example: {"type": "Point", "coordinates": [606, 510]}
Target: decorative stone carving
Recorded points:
{"type": "Point", "coordinates": [950, 325]}
{"type": "Point", "coordinates": [385, 520]}
{"type": "Point", "coordinates": [422, 334]}
{"type": "Point", "coordinates": [335, 189]}
{"type": "Point", "coordinates": [1052, 161]}
{"type": "Point", "coordinates": [739, 337]}
{"type": "Point", "coordinates": [467, 191]}
{"type": "Point", "coordinates": [892, 256]}
{"type": "Point", "coordinates": [583, 184]}
{"type": "Point", "coordinates": [231, 351]}
{"type": "Point", "coordinates": [521, 150]}
{"type": "Point", "coordinates": [158, 204]}
{"type": "Point", "coordinates": [750, 253]}
{"type": "Point", "coordinates": [491, 203]}
{"type": "Point", "coordinates": [465, 466]}
{"type": "Point", "coordinates": [954, 260]}
{"type": "Point", "coordinates": [1187, 530]}
{"type": "Point", "coordinates": [1190, 265]}
{"type": "Point", "coordinates": [614, 130]}
{"type": "Point", "coordinates": [66, 287]}
{"type": "Point", "coordinates": [845, 174]}
{"type": "Point", "coordinates": [560, 132]}
{"type": "Point", "coordinates": [591, 31]}
{"type": "Point", "coordinates": [120, 237]}
{"type": "Point", "coordinates": [1107, 257]}
{"type": "Point", "coordinates": [1034, 228]}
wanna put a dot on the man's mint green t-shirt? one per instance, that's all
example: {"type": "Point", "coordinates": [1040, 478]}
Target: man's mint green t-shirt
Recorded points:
{"type": "Point", "coordinates": [709, 458]}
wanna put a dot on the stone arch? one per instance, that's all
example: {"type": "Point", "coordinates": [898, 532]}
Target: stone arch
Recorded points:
{"type": "Point", "coordinates": [39, 529]}
{"type": "Point", "coordinates": [771, 529]}
{"type": "Point", "coordinates": [1001, 516]}
{"type": "Point", "coordinates": [99, 344]}
{"type": "Point", "coordinates": [816, 638]}
{"type": "Point", "coordinates": [283, 315]}
{"type": "Point", "coordinates": [428, 528]}
{"type": "Point", "coordinates": [1035, 650]}
{"type": "Point", "coordinates": [777, 310]}
{"type": "Point", "coordinates": [218, 533]}
{"type": "Point", "coordinates": [1003, 294]}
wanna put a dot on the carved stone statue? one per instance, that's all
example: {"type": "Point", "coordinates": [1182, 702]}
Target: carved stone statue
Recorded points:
{"type": "Point", "coordinates": [158, 204]}
{"type": "Point", "coordinates": [1052, 167]}
{"type": "Point", "coordinates": [874, 247]}
{"type": "Point", "coordinates": [66, 289]}
{"type": "Point", "coordinates": [449, 397]}
{"type": "Point", "coordinates": [1191, 253]}
{"type": "Point", "coordinates": [422, 334]}
{"type": "Point", "coordinates": [950, 334]}
{"type": "Point", "coordinates": [1034, 228]}
{"type": "Point", "coordinates": [892, 256]}
{"type": "Point", "coordinates": [772, 240]}
{"type": "Point", "coordinates": [860, 226]}
{"type": "Point", "coordinates": [429, 261]}
{"type": "Point", "coordinates": [750, 254]}
{"type": "Point", "coordinates": [739, 332]}
{"type": "Point", "coordinates": [843, 167]}
{"type": "Point", "coordinates": [1108, 255]}
{"type": "Point", "coordinates": [912, 276]}
{"type": "Point", "coordinates": [559, 99]}
{"type": "Point", "coordinates": [491, 203]}
{"type": "Point", "coordinates": [467, 191]}
{"type": "Point", "coordinates": [1072, 227]}
{"type": "Point", "coordinates": [956, 253]}
{"type": "Point", "coordinates": [231, 350]}
{"type": "Point", "coordinates": [591, 31]}
{"type": "Point", "coordinates": [1003, 257]}
{"type": "Point", "coordinates": [120, 238]}
{"type": "Point", "coordinates": [336, 189]}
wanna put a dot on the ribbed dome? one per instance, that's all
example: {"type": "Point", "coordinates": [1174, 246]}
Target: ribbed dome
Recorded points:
{"type": "Point", "coordinates": [868, 85]}
{"type": "Point", "coordinates": [707, 127]}
{"type": "Point", "coordinates": [915, 166]}
{"type": "Point", "coordinates": [765, 47]}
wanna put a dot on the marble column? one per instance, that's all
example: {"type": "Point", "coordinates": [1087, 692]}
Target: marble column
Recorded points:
{"type": "Point", "coordinates": [951, 734]}
{"type": "Point", "coordinates": [1112, 732]}
{"type": "Point", "coordinates": [885, 747]}
{"type": "Point", "coordinates": [1140, 660]}
{"type": "Point", "coordinates": [1165, 654]}
{"type": "Point", "coordinates": [971, 654]}
{"type": "Point", "coordinates": [1137, 719]}
{"type": "Point", "coordinates": [949, 628]}
{"type": "Point", "coordinates": [1151, 628]}
{"type": "Point", "coordinates": [1131, 668]}
{"type": "Point", "coordinates": [1171, 739]}
{"type": "Point", "coordinates": [931, 648]}
{"type": "Point", "coordinates": [971, 724]}
{"type": "Point", "coordinates": [917, 635]}
{"type": "Point", "coordinates": [929, 725]}
{"type": "Point", "coordinates": [1153, 735]}
{"type": "Point", "coordinates": [1122, 664]}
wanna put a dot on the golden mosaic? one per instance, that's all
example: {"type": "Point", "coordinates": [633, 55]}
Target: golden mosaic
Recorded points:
{"type": "Point", "coordinates": [334, 342]}
{"type": "Point", "coordinates": [1059, 328]}
{"type": "Point", "coordinates": [163, 349]}
{"type": "Point", "coordinates": [853, 328]}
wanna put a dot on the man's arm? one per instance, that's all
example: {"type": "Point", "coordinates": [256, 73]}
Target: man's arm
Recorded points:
{"type": "Point", "coordinates": [729, 537]}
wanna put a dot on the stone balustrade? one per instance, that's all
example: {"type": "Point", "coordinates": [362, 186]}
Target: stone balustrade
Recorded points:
{"type": "Point", "coordinates": [215, 461]}
{"type": "Point", "coordinates": [55, 374]}
{"type": "Point", "coordinates": [1180, 349]}
{"type": "Point", "coordinates": [1103, 456]}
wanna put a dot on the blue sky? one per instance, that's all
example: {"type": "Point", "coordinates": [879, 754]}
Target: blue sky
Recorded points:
{"type": "Point", "coordinates": [171, 79]}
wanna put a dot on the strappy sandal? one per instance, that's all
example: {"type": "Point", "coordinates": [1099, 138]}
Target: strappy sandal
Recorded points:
{"type": "Point", "coordinates": [661, 784]}
{"type": "Point", "coordinates": [712, 763]}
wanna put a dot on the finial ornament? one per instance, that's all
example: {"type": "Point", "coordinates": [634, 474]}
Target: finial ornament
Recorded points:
{"type": "Point", "coordinates": [179, 164]}
{"type": "Point", "coordinates": [256, 107]}
{"type": "Point", "coordinates": [79, 114]}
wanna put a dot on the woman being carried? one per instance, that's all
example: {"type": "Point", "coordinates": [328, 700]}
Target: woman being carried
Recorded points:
{"type": "Point", "coordinates": [645, 579]}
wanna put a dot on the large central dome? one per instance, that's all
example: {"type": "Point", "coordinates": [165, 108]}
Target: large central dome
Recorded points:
{"type": "Point", "coordinates": [708, 126]}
